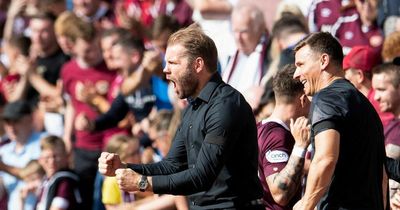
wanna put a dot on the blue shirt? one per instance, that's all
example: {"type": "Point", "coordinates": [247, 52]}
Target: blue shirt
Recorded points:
{"type": "Point", "coordinates": [9, 156]}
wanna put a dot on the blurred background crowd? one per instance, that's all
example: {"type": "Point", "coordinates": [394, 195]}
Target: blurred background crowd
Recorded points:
{"type": "Point", "coordinates": [78, 77]}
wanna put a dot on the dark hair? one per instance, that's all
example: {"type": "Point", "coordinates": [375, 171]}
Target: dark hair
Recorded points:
{"type": "Point", "coordinates": [323, 42]}
{"type": "Point", "coordinates": [286, 88]}
{"type": "Point", "coordinates": [288, 24]}
{"type": "Point", "coordinates": [131, 43]}
{"type": "Point", "coordinates": [197, 44]}
{"type": "Point", "coordinates": [390, 69]}
{"type": "Point", "coordinates": [163, 23]}
{"type": "Point", "coordinates": [22, 43]}
{"type": "Point", "coordinates": [120, 32]}
{"type": "Point", "coordinates": [44, 15]}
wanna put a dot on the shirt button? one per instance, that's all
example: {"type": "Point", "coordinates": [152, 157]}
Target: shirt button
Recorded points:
{"type": "Point", "coordinates": [193, 203]}
{"type": "Point", "coordinates": [190, 126]}
{"type": "Point", "coordinates": [192, 146]}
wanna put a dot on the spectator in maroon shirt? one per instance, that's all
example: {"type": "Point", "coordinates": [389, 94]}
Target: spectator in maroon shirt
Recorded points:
{"type": "Point", "coordinates": [358, 66]}
{"type": "Point", "coordinates": [386, 82]}
{"type": "Point", "coordinates": [357, 26]}
{"type": "Point", "coordinates": [281, 153]}
{"type": "Point", "coordinates": [60, 189]}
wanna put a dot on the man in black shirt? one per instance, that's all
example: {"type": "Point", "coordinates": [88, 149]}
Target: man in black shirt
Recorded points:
{"type": "Point", "coordinates": [346, 171]}
{"type": "Point", "coordinates": [213, 157]}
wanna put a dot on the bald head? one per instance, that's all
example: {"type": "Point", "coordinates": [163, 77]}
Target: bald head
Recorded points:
{"type": "Point", "coordinates": [248, 26]}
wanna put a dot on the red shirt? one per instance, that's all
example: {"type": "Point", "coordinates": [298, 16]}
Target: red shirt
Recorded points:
{"type": "Point", "coordinates": [323, 14]}
{"type": "Point", "coordinates": [101, 78]}
{"type": "Point", "coordinates": [350, 32]}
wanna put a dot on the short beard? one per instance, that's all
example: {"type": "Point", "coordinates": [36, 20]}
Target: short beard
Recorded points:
{"type": "Point", "coordinates": [189, 83]}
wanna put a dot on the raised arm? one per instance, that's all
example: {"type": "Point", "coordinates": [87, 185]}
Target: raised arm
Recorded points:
{"type": "Point", "coordinates": [285, 184]}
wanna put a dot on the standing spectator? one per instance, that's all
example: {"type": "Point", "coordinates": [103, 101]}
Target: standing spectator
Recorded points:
{"type": "Point", "coordinates": [287, 32]}
{"type": "Point", "coordinates": [346, 132]}
{"type": "Point", "coordinates": [24, 146]}
{"type": "Point", "coordinates": [66, 27]}
{"type": "Point", "coordinates": [386, 81]}
{"type": "Point", "coordinates": [214, 17]}
{"type": "Point", "coordinates": [86, 69]}
{"type": "Point", "coordinates": [281, 157]}
{"type": "Point", "coordinates": [358, 65]}
{"type": "Point", "coordinates": [127, 55]}
{"type": "Point", "coordinates": [218, 124]}
{"type": "Point", "coordinates": [60, 188]}
{"type": "Point", "coordinates": [249, 63]}
{"type": "Point", "coordinates": [47, 55]}
{"type": "Point", "coordinates": [357, 26]}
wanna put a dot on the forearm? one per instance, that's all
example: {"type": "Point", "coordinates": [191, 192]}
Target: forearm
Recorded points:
{"type": "Point", "coordinates": [134, 81]}
{"type": "Point", "coordinates": [115, 114]}
{"type": "Point", "coordinates": [164, 167]}
{"type": "Point", "coordinates": [101, 104]}
{"type": "Point", "coordinates": [68, 125]}
{"type": "Point", "coordinates": [41, 85]}
{"type": "Point", "coordinates": [213, 6]}
{"type": "Point", "coordinates": [318, 180]}
{"type": "Point", "coordinates": [286, 183]}
{"type": "Point", "coordinates": [174, 162]}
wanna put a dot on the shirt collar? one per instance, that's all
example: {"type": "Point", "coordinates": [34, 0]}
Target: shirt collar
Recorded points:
{"type": "Point", "coordinates": [207, 91]}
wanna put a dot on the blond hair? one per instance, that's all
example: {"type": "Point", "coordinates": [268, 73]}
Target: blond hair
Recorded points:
{"type": "Point", "coordinates": [391, 47]}
{"type": "Point", "coordinates": [197, 44]}
{"type": "Point", "coordinates": [52, 143]}
{"type": "Point", "coordinates": [119, 144]}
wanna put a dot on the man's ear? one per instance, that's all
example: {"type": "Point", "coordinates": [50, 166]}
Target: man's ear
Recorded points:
{"type": "Point", "coordinates": [324, 61]}
{"type": "Point", "coordinates": [360, 76]}
{"type": "Point", "coordinates": [135, 57]}
{"type": "Point", "coordinates": [198, 64]}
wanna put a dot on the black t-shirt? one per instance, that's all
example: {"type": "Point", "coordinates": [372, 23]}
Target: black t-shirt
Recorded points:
{"type": "Point", "coordinates": [357, 179]}
{"type": "Point", "coordinates": [49, 67]}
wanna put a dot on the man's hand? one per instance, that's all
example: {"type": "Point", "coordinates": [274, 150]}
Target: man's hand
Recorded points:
{"type": "Point", "coordinates": [82, 123]}
{"type": "Point", "coordinates": [152, 62]}
{"type": "Point", "coordinates": [395, 201]}
{"type": "Point", "coordinates": [127, 179]}
{"type": "Point", "coordinates": [109, 163]}
{"type": "Point", "coordinates": [300, 131]}
{"type": "Point", "coordinates": [298, 205]}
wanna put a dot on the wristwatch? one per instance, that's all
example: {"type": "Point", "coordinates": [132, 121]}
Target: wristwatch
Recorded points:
{"type": "Point", "coordinates": [143, 183]}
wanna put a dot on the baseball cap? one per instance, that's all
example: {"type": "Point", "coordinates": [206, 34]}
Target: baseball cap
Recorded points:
{"type": "Point", "coordinates": [16, 110]}
{"type": "Point", "coordinates": [361, 57]}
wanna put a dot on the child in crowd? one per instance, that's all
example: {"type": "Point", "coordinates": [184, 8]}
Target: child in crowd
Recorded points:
{"type": "Point", "coordinates": [128, 148]}
{"type": "Point", "coordinates": [60, 188]}
{"type": "Point", "coordinates": [33, 175]}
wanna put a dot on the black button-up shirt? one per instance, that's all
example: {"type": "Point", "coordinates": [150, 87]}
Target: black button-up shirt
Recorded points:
{"type": "Point", "coordinates": [213, 157]}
